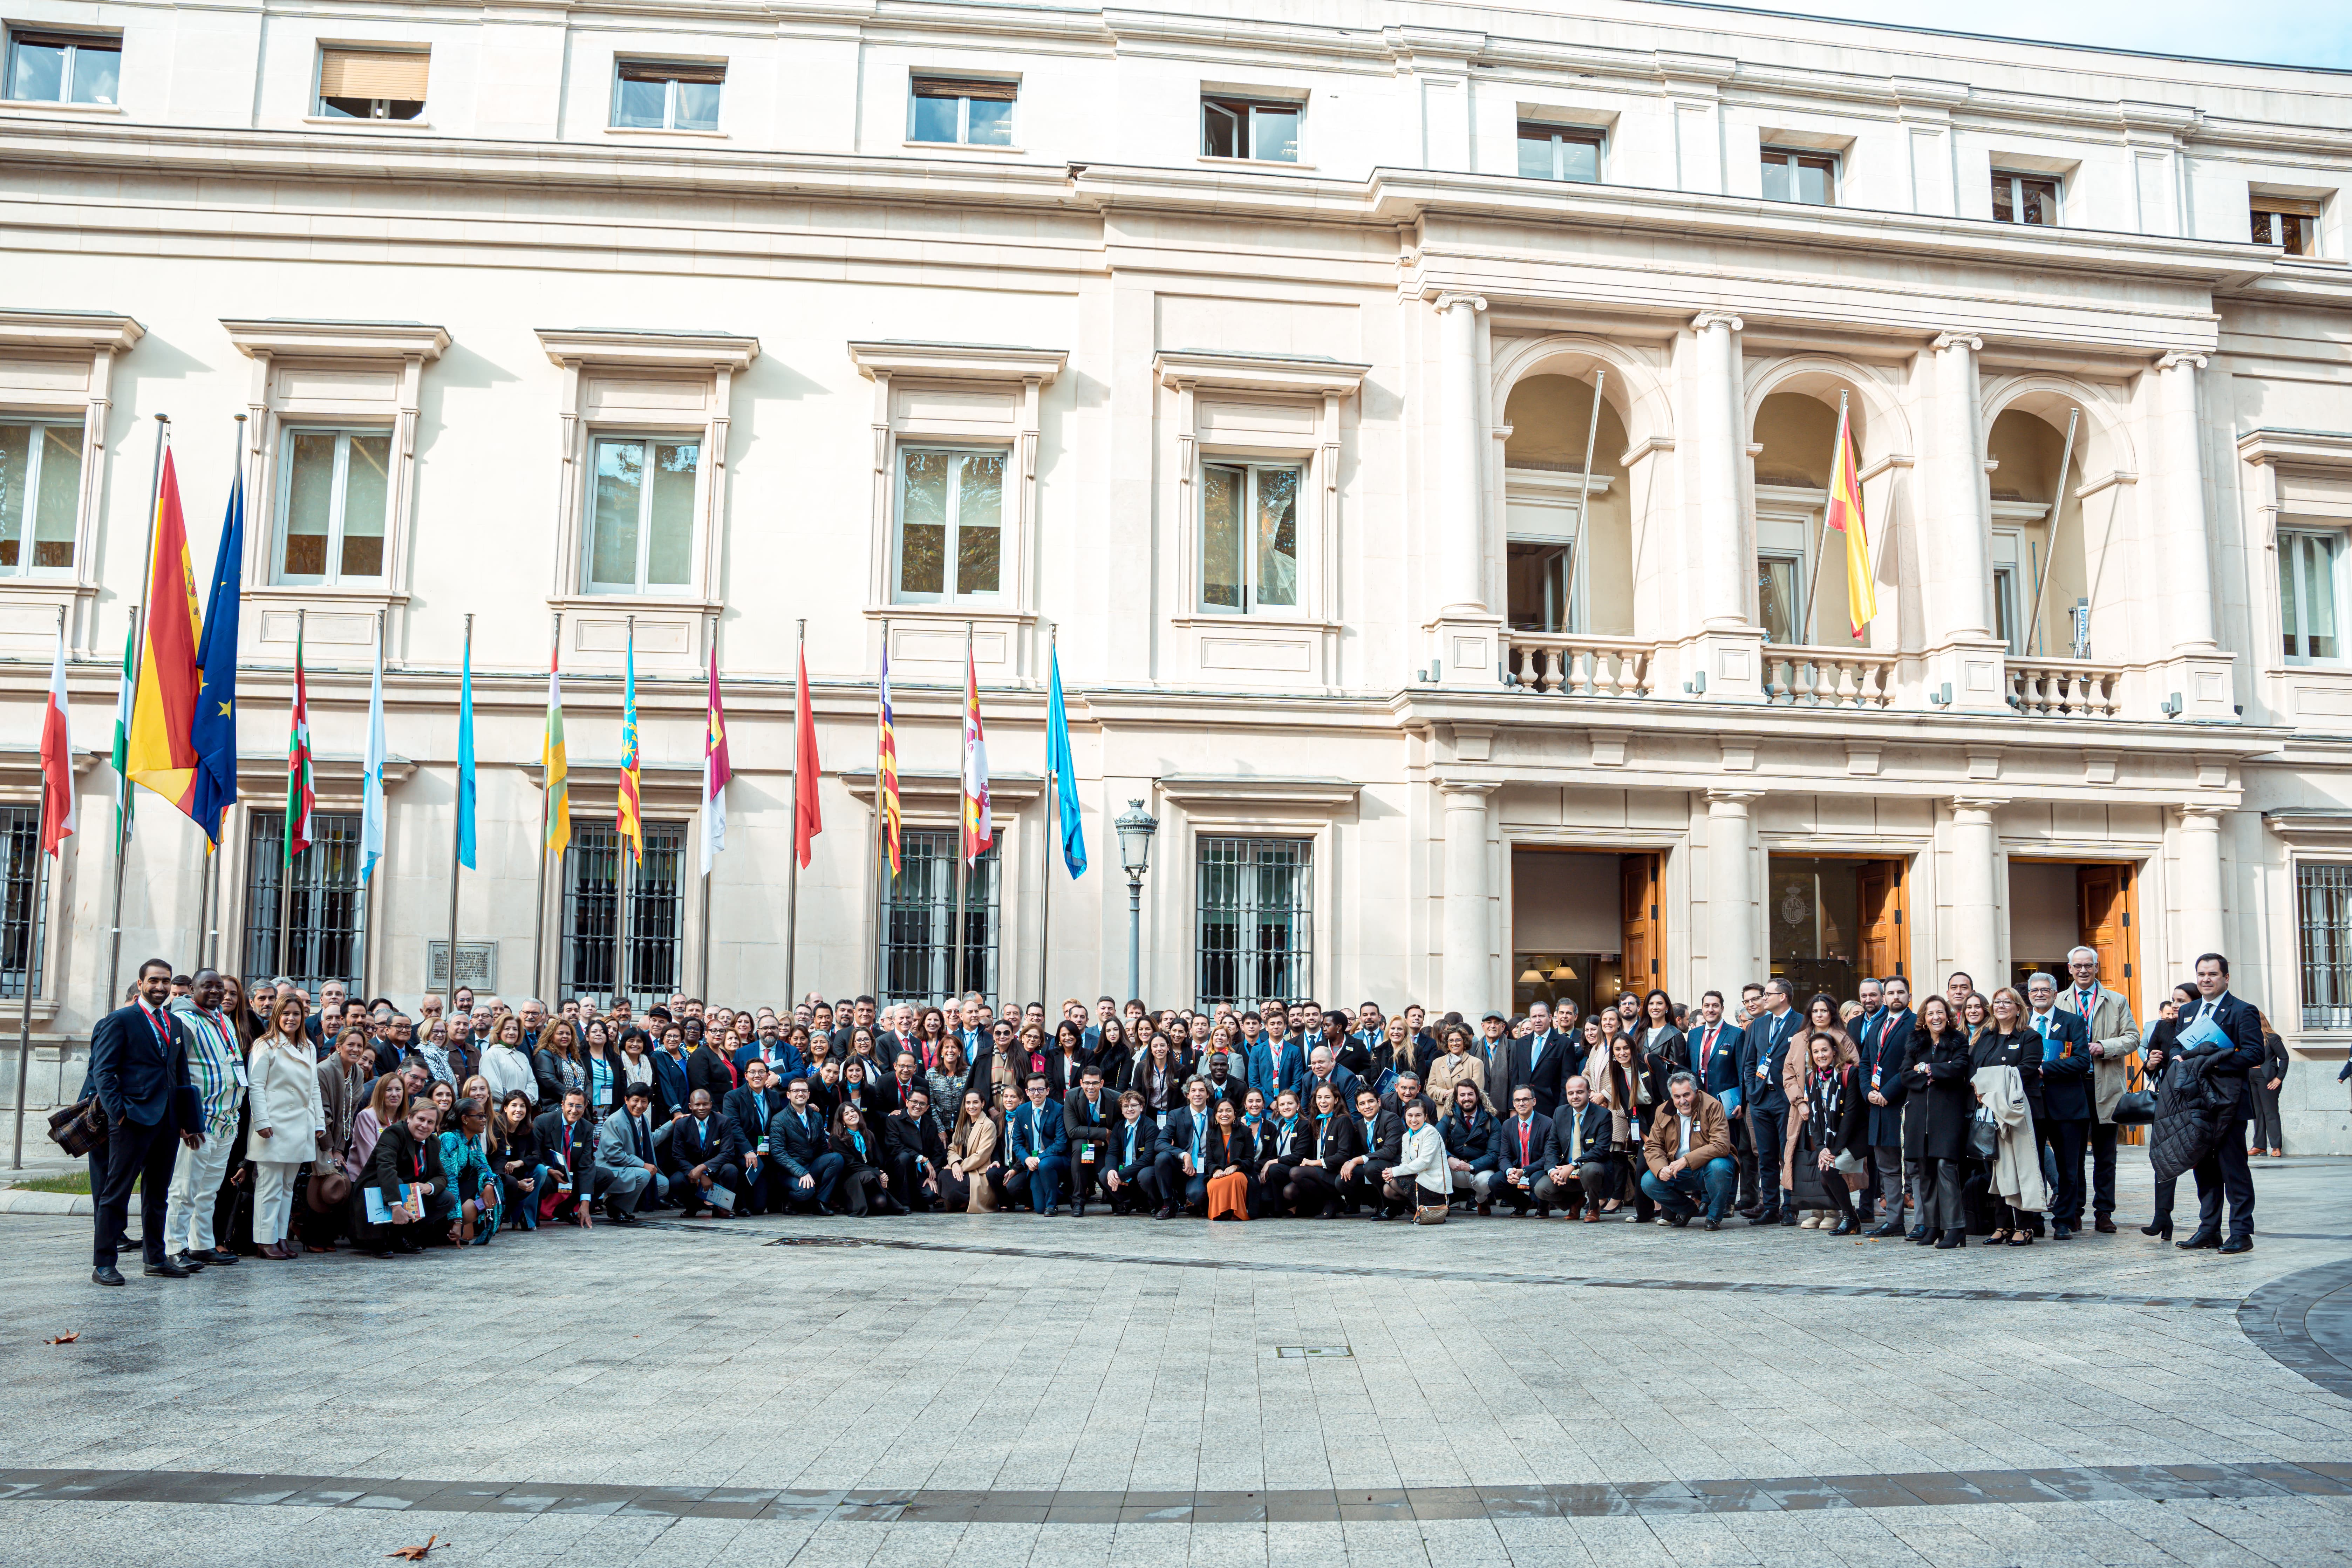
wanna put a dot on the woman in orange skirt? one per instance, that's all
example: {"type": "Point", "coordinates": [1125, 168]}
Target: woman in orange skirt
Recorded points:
{"type": "Point", "coordinates": [1230, 1154]}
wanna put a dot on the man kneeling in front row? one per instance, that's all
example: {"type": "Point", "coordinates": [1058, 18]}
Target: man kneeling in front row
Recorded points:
{"type": "Point", "coordinates": [1689, 1154]}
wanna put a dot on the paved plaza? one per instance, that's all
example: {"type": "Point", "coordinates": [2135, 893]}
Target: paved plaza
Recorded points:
{"type": "Point", "coordinates": [1008, 1390]}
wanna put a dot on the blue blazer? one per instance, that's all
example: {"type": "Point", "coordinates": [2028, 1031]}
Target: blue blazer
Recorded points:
{"type": "Point", "coordinates": [1263, 1075]}
{"type": "Point", "coordinates": [1034, 1130]}
{"type": "Point", "coordinates": [1720, 1076]}
{"type": "Point", "coordinates": [137, 1076]}
{"type": "Point", "coordinates": [1477, 1137]}
{"type": "Point", "coordinates": [669, 1077]}
{"type": "Point", "coordinates": [1766, 1045]}
{"type": "Point", "coordinates": [1884, 1043]}
{"type": "Point", "coordinates": [789, 1063]}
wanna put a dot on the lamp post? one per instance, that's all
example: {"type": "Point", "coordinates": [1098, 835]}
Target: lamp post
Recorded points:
{"type": "Point", "coordinates": [1136, 826]}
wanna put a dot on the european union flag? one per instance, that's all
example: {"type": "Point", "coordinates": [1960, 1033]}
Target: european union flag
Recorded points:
{"type": "Point", "coordinates": [212, 734]}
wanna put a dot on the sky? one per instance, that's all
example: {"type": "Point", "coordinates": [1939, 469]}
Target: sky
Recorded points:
{"type": "Point", "coordinates": [2276, 32]}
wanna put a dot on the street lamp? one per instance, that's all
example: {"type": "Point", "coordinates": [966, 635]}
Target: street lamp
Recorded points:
{"type": "Point", "coordinates": [1136, 826]}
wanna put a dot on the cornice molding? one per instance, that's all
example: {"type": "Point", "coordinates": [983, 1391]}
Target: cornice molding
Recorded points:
{"type": "Point", "coordinates": [290, 338]}
{"type": "Point", "coordinates": [69, 332]}
{"type": "Point", "coordinates": [2297, 449]}
{"type": "Point", "coordinates": [648, 350]}
{"type": "Point", "coordinates": [958, 361]}
{"type": "Point", "coordinates": [1194, 791]}
{"type": "Point", "coordinates": [1304, 375]}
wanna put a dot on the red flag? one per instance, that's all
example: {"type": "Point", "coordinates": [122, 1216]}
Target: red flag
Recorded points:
{"type": "Point", "coordinates": [807, 820]}
{"type": "Point", "coordinates": [56, 760]}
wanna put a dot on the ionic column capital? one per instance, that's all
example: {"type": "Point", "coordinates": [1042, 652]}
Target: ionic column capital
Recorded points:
{"type": "Point", "coordinates": [2180, 361]}
{"type": "Point", "coordinates": [1449, 300]}
{"type": "Point", "coordinates": [1967, 340]}
{"type": "Point", "coordinates": [1705, 320]}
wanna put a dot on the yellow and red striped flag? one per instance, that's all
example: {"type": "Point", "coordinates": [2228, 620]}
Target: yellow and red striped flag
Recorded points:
{"type": "Point", "coordinates": [1845, 516]}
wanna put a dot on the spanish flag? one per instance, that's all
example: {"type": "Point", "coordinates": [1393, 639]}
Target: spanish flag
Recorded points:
{"type": "Point", "coordinates": [631, 818]}
{"type": "Point", "coordinates": [1845, 516]}
{"type": "Point", "coordinates": [162, 752]}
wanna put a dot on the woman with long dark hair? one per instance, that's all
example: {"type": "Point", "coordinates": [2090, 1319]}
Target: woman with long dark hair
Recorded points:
{"type": "Point", "coordinates": [1836, 1121]}
{"type": "Point", "coordinates": [1938, 1104]}
{"type": "Point", "coordinates": [1662, 1039]}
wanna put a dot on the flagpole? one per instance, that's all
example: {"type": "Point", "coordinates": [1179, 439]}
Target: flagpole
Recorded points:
{"type": "Point", "coordinates": [286, 839]}
{"type": "Point", "coordinates": [456, 845]}
{"type": "Point", "coordinates": [621, 885]}
{"type": "Point", "coordinates": [2037, 643]}
{"type": "Point", "coordinates": [1584, 503]}
{"type": "Point", "coordinates": [793, 866]}
{"type": "Point", "coordinates": [1821, 545]}
{"type": "Point", "coordinates": [963, 808]}
{"type": "Point", "coordinates": [1046, 887]}
{"type": "Point", "coordinates": [368, 909]}
{"type": "Point", "coordinates": [539, 887]}
{"type": "Point", "coordinates": [881, 833]}
{"type": "Point", "coordinates": [33, 938]}
{"type": "Point", "coordinates": [123, 780]}
{"type": "Point", "coordinates": [702, 945]}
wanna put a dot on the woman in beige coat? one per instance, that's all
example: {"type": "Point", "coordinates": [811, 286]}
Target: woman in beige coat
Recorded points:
{"type": "Point", "coordinates": [970, 1154]}
{"type": "Point", "coordinates": [1456, 1066]}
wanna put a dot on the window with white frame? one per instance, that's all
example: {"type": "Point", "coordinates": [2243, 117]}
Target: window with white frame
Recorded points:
{"type": "Point", "coordinates": [1254, 928]}
{"type": "Point", "coordinates": [2323, 895]}
{"type": "Point", "coordinates": [1250, 128]}
{"type": "Point", "coordinates": [951, 543]}
{"type": "Point", "coordinates": [333, 486]}
{"type": "Point", "coordinates": [666, 94]}
{"type": "Point", "coordinates": [2292, 226]}
{"type": "Point", "coordinates": [966, 111]}
{"type": "Point", "coordinates": [1559, 153]}
{"type": "Point", "coordinates": [40, 494]}
{"type": "Point", "coordinates": [2310, 563]}
{"type": "Point", "coordinates": [371, 84]}
{"type": "Point", "coordinates": [2024, 198]}
{"type": "Point", "coordinates": [641, 513]}
{"type": "Point", "coordinates": [1807, 177]}
{"type": "Point", "coordinates": [1249, 536]}
{"type": "Point", "coordinates": [1777, 576]}
{"type": "Point", "coordinates": [64, 68]}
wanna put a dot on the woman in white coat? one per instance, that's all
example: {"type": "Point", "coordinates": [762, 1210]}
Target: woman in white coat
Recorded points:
{"type": "Point", "coordinates": [1420, 1179]}
{"type": "Point", "coordinates": [290, 1125]}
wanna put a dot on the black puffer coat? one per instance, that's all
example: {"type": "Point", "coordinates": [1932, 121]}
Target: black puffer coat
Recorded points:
{"type": "Point", "coordinates": [2194, 1109]}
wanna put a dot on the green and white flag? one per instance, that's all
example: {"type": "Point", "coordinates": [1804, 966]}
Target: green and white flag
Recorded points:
{"type": "Point", "coordinates": [122, 704]}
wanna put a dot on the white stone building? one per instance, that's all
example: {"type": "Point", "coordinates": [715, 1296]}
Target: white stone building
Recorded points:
{"type": "Point", "coordinates": [1252, 352]}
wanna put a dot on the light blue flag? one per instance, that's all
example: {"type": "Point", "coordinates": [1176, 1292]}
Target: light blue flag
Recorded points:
{"type": "Point", "coordinates": [1058, 762]}
{"type": "Point", "coordinates": [371, 785]}
{"type": "Point", "coordinates": [466, 759]}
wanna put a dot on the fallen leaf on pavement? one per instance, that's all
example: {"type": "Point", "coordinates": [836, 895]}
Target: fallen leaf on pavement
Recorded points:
{"type": "Point", "coordinates": [415, 1553]}
{"type": "Point", "coordinates": [65, 1339]}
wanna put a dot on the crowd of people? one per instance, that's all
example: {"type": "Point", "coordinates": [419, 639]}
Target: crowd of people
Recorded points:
{"type": "Point", "coordinates": [258, 1124]}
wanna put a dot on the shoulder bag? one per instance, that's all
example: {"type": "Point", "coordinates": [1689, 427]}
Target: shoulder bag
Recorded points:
{"type": "Point", "coordinates": [2135, 1109]}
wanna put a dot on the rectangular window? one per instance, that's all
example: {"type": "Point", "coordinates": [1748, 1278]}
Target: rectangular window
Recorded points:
{"type": "Point", "coordinates": [964, 111]}
{"type": "Point", "coordinates": [1245, 127]}
{"type": "Point", "coordinates": [1807, 177]}
{"type": "Point", "coordinates": [665, 95]}
{"type": "Point", "coordinates": [592, 868]}
{"type": "Point", "coordinates": [2309, 564]}
{"type": "Point", "coordinates": [2008, 614]}
{"type": "Point", "coordinates": [372, 84]}
{"type": "Point", "coordinates": [22, 886]}
{"type": "Point", "coordinates": [1249, 537]}
{"type": "Point", "coordinates": [641, 514]}
{"type": "Point", "coordinates": [40, 495]}
{"type": "Point", "coordinates": [64, 68]}
{"type": "Point", "coordinates": [1255, 934]}
{"type": "Point", "coordinates": [2024, 198]}
{"type": "Point", "coordinates": [2323, 895]}
{"type": "Point", "coordinates": [1777, 577]}
{"type": "Point", "coordinates": [1539, 584]}
{"type": "Point", "coordinates": [919, 923]}
{"type": "Point", "coordinates": [326, 909]}
{"type": "Point", "coordinates": [332, 486]}
{"type": "Point", "coordinates": [951, 524]}
{"type": "Point", "coordinates": [2294, 226]}
{"type": "Point", "coordinates": [1559, 153]}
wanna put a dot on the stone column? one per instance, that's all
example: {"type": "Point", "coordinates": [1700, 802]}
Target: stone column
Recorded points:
{"type": "Point", "coordinates": [2197, 891]}
{"type": "Point", "coordinates": [1732, 960]}
{"type": "Point", "coordinates": [1976, 930]}
{"type": "Point", "coordinates": [1957, 556]}
{"type": "Point", "coordinates": [1469, 637]}
{"type": "Point", "coordinates": [1468, 968]}
{"type": "Point", "coordinates": [1726, 658]}
{"type": "Point", "coordinates": [2194, 666]}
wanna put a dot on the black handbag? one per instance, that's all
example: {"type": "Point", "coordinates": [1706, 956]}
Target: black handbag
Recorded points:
{"type": "Point", "coordinates": [1984, 1137]}
{"type": "Point", "coordinates": [2135, 1109]}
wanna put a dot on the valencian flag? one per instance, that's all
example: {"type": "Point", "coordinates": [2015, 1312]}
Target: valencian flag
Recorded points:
{"type": "Point", "coordinates": [302, 792]}
{"type": "Point", "coordinates": [57, 759]}
{"type": "Point", "coordinates": [161, 754]}
{"type": "Point", "coordinates": [1845, 516]}
{"type": "Point", "coordinates": [1065, 770]}
{"type": "Point", "coordinates": [629, 818]}
{"type": "Point", "coordinates": [214, 732]}
{"type": "Point", "coordinates": [556, 768]}
{"type": "Point", "coordinates": [808, 821]}
{"type": "Point", "coordinates": [979, 822]}
{"type": "Point", "coordinates": [715, 770]}
{"type": "Point", "coordinates": [886, 770]}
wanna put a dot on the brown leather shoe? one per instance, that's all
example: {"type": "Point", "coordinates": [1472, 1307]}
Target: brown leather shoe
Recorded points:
{"type": "Point", "coordinates": [275, 1253]}
{"type": "Point", "coordinates": [1592, 1214]}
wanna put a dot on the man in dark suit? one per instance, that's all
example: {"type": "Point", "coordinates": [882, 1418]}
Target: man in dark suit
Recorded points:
{"type": "Point", "coordinates": [1578, 1172]}
{"type": "Point", "coordinates": [913, 1153]}
{"type": "Point", "coordinates": [1361, 1179]}
{"type": "Point", "coordinates": [1134, 1147]}
{"type": "Point", "coordinates": [1885, 1038]}
{"type": "Point", "coordinates": [1525, 1135]}
{"type": "Point", "coordinates": [2063, 1130]}
{"type": "Point", "coordinates": [2223, 1173]}
{"type": "Point", "coordinates": [1715, 1042]}
{"type": "Point", "coordinates": [750, 1109]}
{"type": "Point", "coordinates": [1087, 1118]}
{"type": "Point", "coordinates": [1763, 1052]}
{"type": "Point", "coordinates": [891, 1095]}
{"type": "Point", "coordinates": [704, 1155]}
{"type": "Point", "coordinates": [139, 1074]}
{"type": "Point", "coordinates": [798, 1143]}
{"type": "Point", "coordinates": [1178, 1178]}
{"type": "Point", "coordinates": [1036, 1151]}
{"type": "Point", "coordinates": [569, 1149]}
{"type": "Point", "coordinates": [1540, 1059]}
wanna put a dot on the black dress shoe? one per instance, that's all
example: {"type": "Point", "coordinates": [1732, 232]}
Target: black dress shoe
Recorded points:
{"type": "Point", "coordinates": [1077, 1211]}
{"type": "Point", "coordinates": [2203, 1238]}
{"type": "Point", "coordinates": [218, 1255]}
{"type": "Point", "coordinates": [2061, 1231]}
{"type": "Point", "coordinates": [189, 1262]}
{"type": "Point", "coordinates": [2104, 1226]}
{"type": "Point", "coordinates": [2161, 1230]}
{"type": "Point", "coordinates": [1788, 1216]}
{"type": "Point", "coordinates": [1920, 1233]}
{"type": "Point", "coordinates": [1844, 1226]}
{"type": "Point", "coordinates": [1712, 1224]}
{"type": "Point", "coordinates": [1889, 1228]}
{"type": "Point", "coordinates": [2239, 1244]}
{"type": "Point", "coordinates": [109, 1275]}
{"type": "Point", "coordinates": [167, 1269]}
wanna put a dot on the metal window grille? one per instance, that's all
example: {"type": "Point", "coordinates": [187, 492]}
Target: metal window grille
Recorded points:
{"type": "Point", "coordinates": [1256, 926]}
{"type": "Point", "coordinates": [326, 908]}
{"type": "Point", "coordinates": [25, 884]}
{"type": "Point", "coordinates": [2324, 897]}
{"type": "Point", "coordinates": [592, 868]}
{"type": "Point", "coordinates": [917, 959]}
